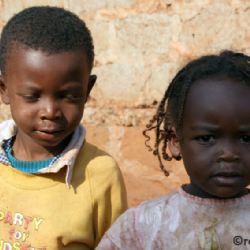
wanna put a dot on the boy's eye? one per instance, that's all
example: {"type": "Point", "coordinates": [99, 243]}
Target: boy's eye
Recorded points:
{"type": "Point", "coordinates": [206, 139]}
{"type": "Point", "coordinates": [73, 98]}
{"type": "Point", "coordinates": [30, 98]}
{"type": "Point", "coordinates": [245, 138]}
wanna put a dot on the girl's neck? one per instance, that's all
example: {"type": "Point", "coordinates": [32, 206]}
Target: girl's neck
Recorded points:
{"type": "Point", "coordinates": [196, 191]}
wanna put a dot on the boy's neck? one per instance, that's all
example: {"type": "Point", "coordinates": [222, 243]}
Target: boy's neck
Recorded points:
{"type": "Point", "coordinates": [32, 151]}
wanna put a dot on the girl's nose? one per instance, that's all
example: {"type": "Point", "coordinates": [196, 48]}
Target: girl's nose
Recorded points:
{"type": "Point", "coordinates": [50, 110]}
{"type": "Point", "coordinates": [228, 152]}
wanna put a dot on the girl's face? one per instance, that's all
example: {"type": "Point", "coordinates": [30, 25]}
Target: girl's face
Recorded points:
{"type": "Point", "coordinates": [215, 139]}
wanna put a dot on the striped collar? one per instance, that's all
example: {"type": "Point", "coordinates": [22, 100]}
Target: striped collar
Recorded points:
{"type": "Point", "coordinates": [66, 159]}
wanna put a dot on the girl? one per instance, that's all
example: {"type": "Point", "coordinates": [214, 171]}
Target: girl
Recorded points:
{"type": "Point", "coordinates": [203, 118]}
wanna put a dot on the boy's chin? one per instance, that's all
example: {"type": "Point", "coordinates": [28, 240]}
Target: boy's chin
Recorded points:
{"type": "Point", "coordinates": [52, 143]}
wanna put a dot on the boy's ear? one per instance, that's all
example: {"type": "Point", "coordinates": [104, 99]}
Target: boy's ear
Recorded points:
{"type": "Point", "coordinates": [91, 83]}
{"type": "Point", "coordinates": [174, 146]}
{"type": "Point", "coordinates": [4, 91]}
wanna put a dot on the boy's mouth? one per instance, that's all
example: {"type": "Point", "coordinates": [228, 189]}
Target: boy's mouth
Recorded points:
{"type": "Point", "coordinates": [50, 131]}
{"type": "Point", "coordinates": [49, 134]}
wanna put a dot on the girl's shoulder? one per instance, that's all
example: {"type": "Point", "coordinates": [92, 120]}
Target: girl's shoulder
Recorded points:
{"type": "Point", "coordinates": [138, 226]}
{"type": "Point", "coordinates": [149, 212]}
{"type": "Point", "coordinates": [158, 203]}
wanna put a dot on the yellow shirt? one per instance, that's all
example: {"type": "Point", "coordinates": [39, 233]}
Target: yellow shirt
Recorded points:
{"type": "Point", "coordinates": [40, 212]}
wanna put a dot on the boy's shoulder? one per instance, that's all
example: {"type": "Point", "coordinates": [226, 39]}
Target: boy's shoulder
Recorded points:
{"type": "Point", "coordinates": [97, 170]}
{"type": "Point", "coordinates": [95, 156]}
{"type": "Point", "coordinates": [94, 161]}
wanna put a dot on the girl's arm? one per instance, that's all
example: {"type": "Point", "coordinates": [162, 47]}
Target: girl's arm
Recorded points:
{"type": "Point", "coordinates": [122, 235]}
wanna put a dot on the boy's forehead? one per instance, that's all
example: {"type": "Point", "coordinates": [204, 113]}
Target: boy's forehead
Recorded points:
{"type": "Point", "coordinates": [39, 58]}
{"type": "Point", "coordinates": [18, 48]}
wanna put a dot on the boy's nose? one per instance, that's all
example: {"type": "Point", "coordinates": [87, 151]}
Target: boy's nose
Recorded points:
{"type": "Point", "coordinates": [50, 110]}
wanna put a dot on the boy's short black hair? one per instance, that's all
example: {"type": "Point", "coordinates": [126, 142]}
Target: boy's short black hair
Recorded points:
{"type": "Point", "coordinates": [46, 28]}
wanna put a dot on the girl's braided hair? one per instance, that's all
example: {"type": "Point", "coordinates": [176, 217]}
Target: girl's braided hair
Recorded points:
{"type": "Point", "coordinates": [169, 113]}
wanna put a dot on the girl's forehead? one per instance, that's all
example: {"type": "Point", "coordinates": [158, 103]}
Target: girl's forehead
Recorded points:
{"type": "Point", "coordinates": [218, 85]}
{"type": "Point", "coordinates": [217, 98]}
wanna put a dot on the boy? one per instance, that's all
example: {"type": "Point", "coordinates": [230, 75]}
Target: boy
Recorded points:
{"type": "Point", "coordinates": [57, 191]}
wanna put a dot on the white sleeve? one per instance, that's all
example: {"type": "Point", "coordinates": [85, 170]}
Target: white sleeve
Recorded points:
{"type": "Point", "coordinates": [122, 235]}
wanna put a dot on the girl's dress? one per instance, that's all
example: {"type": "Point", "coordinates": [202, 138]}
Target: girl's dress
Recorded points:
{"type": "Point", "coordinates": [180, 221]}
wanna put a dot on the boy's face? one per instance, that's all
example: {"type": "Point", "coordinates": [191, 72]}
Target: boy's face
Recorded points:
{"type": "Point", "coordinates": [46, 94]}
{"type": "Point", "coordinates": [215, 139]}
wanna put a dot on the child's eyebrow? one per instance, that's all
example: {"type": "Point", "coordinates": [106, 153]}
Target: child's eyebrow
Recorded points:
{"type": "Point", "coordinates": [244, 128]}
{"type": "Point", "coordinates": [70, 84]}
{"type": "Point", "coordinates": [31, 88]}
{"type": "Point", "coordinates": [213, 128]}
{"type": "Point", "coordinates": [206, 127]}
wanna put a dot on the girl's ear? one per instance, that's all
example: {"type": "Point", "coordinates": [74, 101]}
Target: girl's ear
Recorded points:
{"type": "Point", "coordinates": [4, 91]}
{"type": "Point", "coordinates": [174, 145]}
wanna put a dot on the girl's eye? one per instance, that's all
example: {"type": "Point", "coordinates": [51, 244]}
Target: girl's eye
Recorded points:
{"type": "Point", "coordinates": [206, 139]}
{"type": "Point", "coordinates": [245, 138]}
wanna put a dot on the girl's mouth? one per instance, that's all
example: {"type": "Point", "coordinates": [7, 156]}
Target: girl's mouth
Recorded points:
{"type": "Point", "coordinates": [227, 178]}
{"type": "Point", "coordinates": [228, 174]}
